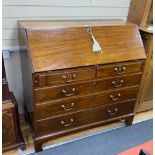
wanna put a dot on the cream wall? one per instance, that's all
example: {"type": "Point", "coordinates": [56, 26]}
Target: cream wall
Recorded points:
{"type": "Point", "coordinates": [14, 10]}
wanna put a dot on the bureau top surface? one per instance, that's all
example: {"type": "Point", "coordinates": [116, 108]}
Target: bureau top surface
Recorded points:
{"type": "Point", "coordinates": [66, 44]}
{"type": "Point", "coordinates": [46, 24]}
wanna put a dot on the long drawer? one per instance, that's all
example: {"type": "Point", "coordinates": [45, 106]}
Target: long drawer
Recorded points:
{"type": "Point", "coordinates": [119, 69]}
{"type": "Point", "coordinates": [83, 88]}
{"type": "Point", "coordinates": [75, 120]}
{"type": "Point", "coordinates": [61, 107]}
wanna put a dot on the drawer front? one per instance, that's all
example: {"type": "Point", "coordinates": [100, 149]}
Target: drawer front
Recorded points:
{"type": "Point", "coordinates": [64, 76]}
{"type": "Point", "coordinates": [73, 121]}
{"type": "Point", "coordinates": [119, 69]}
{"type": "Point", "coordinates": [51, 109]}
{"type": "Point", "coordinates": [69, 90]}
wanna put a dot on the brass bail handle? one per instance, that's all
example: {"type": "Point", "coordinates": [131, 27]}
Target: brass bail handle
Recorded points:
{"type": "Point", "coordinates": [69, 77]}
{"type": "Point", "coordinates": [69, 92]}
{"type": "Point", "coordinates": [115, 98]}
{"type": "Point", "coordinates": [111, 113]}
{"type": "Point", "coordinates": [69, 108]}
{"type": "Point", "coordinates": [118, 83]}
{"type": "Point", "coordinates": [67, 124]}
{"type": "Point", "coordinates": [120, 69]}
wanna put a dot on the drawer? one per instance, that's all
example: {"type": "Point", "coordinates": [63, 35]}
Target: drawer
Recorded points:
{"type": "Point", "coordinates": [79, 119]}
{"type": "Point", "coordinates": [51, 109]}
{"type": "Point", "coordinates": [63, 76]}
{"type": "Point", "coordinates": [119, 69]}
{"type": "Point", "coordinates": [84, 88]}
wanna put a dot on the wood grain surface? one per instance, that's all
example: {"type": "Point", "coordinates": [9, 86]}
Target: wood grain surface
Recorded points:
{"type": "Point", "coordinates": [65, 106]}
{"type": "Point", "coordinates": [141, 12]}
{"type": "Point", "coordinates": [83, 118]}
{"type": "Point", "coordinates": [83, 88]}
{"type": "Point", "coordinates": [50, 51]}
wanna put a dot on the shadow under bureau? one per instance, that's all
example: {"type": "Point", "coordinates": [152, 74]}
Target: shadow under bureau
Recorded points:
{"type": "Point", "coordinates": [68, 86]}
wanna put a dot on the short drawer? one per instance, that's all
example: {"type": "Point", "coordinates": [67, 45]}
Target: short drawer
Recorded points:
{"type": "Point", "coordinates": [63, 76]}
{"type": "Point", "coordinates": [119, 69]}
{"type": "Point", "coordinates": [84, 88]}
{"type": "Point", "coordinates": [55, 108]}
{"type": "Point", "coordinates": [76, 120]}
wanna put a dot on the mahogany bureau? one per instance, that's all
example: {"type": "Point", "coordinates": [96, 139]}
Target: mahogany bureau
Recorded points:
{"type": "Point", "coordinates": [79, 74]}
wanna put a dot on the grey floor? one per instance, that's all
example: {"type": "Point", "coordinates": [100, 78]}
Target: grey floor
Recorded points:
{"type": "Point", "coordinates": [108, 143]}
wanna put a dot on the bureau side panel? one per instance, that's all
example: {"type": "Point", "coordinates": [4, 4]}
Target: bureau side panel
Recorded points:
{"type": "Point", "coordinates": [145, 101]}
{"type": "Point", "coordinates": [27, 70]}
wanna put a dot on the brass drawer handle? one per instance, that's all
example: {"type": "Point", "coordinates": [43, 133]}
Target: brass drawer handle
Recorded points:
{"type": "Point", "coordinates": [67, 124]}
{"type": "Point", "coordinates": [69, 77]}
{"type": "Point", "coordinates": [68, 109]}
{"type": "Point", "coordinates": [69, 92]}
{"type": "Point", "coordinates": [118, 83]}
{"type": "Point", "coordinates": [115, 98]}
{"type": "Point", "coordinates": [119, 69]}
{"type": "Point", "coordinates": [111, 113]}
